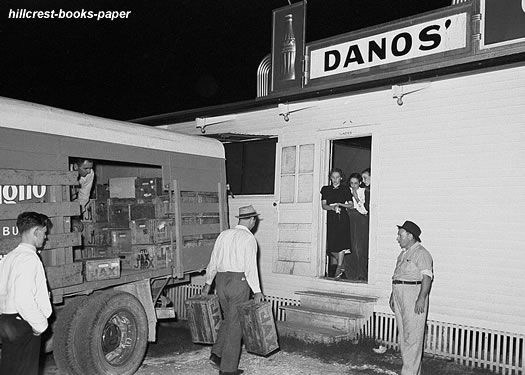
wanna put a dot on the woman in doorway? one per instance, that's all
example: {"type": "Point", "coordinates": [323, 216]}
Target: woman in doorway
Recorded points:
{"type": "Point", "coordinates": [357, 264]}
{"type": "Point", "coordinates": [334, 198]}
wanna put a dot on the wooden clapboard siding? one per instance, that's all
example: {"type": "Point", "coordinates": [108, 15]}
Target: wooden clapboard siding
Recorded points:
{"type": "Point", "coordinates": [460, 173]}
{"type": "Point", "coordinates": [451, 159]}
{"type": "Point", "coordinates": [11, 211]}
{"type": "Point", "coordinates": [37, 177]}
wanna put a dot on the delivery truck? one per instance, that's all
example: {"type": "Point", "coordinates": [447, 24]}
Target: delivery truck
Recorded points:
{"type": "Point", "coordinates": [156, 206]}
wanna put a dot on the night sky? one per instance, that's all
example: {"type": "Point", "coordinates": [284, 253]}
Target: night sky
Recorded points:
{"type": "Point", "coordinates": [167, 56]}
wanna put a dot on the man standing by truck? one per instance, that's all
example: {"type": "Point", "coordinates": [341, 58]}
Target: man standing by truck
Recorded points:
{"type": "Point", "coordinates": [234, 262]}
{"type": "Point", "coordinates": [24, 298]}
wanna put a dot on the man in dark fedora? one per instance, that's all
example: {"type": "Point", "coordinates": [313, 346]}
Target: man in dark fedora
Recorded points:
{"type": "Point", "coordinates": [233, 265]}
{"type": "Point", "coordinates": [411, 285]}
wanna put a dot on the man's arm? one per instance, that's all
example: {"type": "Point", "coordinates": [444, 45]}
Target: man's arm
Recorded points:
{"type": "Point", "coordinates": [426, 283]}
{"type": "Point", "coordinates": [250, 269]}
{"type": "Point", "coordinates": [211, 270]}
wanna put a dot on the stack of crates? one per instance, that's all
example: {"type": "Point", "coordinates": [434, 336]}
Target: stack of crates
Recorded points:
{"type": "Point", "coordinates": [129, 221]}
{"type": "Point", "coordinates": [138, 207]}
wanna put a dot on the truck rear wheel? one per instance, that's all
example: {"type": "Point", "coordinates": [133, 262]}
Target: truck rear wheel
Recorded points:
{"type": "Point", "coordinates": [63, 336]}
{"type": "Point", "coordinates": [114, 335]}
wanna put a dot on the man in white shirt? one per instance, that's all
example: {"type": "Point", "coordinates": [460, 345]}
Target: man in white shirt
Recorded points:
{"type": "Point", "coordinates": [233, 265]}
{"type": "Point", "coordinates": [24, 298]}
{"type": "Point", "coordinates": [411, 285]}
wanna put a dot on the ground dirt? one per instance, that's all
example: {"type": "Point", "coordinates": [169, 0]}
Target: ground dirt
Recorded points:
{"type": "Point", "coordinates": [174, 353]}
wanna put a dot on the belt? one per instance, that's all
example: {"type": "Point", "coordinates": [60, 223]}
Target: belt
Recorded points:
{"type": "Point", "coordinates": [406, 282]}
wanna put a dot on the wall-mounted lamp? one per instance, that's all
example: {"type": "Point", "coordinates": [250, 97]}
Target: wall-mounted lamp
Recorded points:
{"type": "Point", "coordinates": [286, 109]}
{"type": "Point", "coordinates": [204, 122]}
{"type": "Point", "coordinates": [398, 91]}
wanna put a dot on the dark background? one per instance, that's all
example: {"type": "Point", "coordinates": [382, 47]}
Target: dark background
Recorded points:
{"type": "Point", "coordinates": [167, 56]}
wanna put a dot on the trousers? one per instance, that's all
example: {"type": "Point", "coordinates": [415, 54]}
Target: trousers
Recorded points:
{"type": "Point", "coordinates": [20, 348]}
{"type": "Point", "coordinates": [232, 289]}
{"type": "Point", "coordinates": [411, 327]}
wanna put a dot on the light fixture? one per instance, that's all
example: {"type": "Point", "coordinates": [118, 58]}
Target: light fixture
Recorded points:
{"type": "Point", "coordinates": [286, 109]}
{"type": "Point", "coordinates": [204, 122]}
{"type": "Point", "coordinates": [399, 91]}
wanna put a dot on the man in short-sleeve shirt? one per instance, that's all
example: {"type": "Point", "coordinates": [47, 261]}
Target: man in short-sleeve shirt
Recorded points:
{"type": "Point", "coordinates": [411, 284]}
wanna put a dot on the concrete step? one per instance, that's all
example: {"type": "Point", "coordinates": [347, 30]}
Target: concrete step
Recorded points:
{"type": "Point", "coordinates": [338, 302]}
{"type": "Point", "coordinates": [346, 322]}
{"type": "Point", "coordinates": [312, 334]}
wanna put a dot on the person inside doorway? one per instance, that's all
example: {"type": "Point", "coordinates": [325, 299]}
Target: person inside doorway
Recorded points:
{"type": "Point", "coordinates": [357, 262]}
{"type": "Point", "coordinates": [365, 174]}
{"type": "Point", "coordinates": [86, 177]}
{"type": "Point", "coordinates": [335, 197]}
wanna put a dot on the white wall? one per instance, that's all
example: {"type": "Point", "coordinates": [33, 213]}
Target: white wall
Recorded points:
{"type": "Point", "coordinates": [452, 159]}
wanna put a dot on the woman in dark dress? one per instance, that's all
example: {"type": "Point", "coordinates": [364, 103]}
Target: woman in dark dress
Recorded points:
{"type": "Point", "coordinates": [357, 262]}
{"type": "Point", "coordinates": [334, 199]}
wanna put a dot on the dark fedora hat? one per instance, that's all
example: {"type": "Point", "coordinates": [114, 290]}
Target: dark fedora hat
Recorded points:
{"type": "Point", "coordinates": [412, 228]}
{"type": "Point", "coordinates": [246, 212]}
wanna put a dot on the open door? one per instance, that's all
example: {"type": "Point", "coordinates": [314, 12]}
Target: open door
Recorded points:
{"type": "Point", "coordinates": [296, 226]}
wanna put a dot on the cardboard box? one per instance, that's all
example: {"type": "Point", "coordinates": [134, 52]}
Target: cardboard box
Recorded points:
{"type": "Point", "coordinates": [204, 318]}
{"type": "Point", "coordinates": [64, 275]}
{"type": "Point", "coordinates": [258, 327]}
{"type": "Point", "coordinates": [148, 188]}
{"type": "Point", "coordinates": [141, 231]}
{"type": "Point", "coordinates": [122, 187]}
{"type": "Point", "coordinates": [102, 269]}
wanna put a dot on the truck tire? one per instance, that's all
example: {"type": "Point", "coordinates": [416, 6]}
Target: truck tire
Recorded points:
{"type": "Point", "coordinates": [63, 335]}
{"type": "Point", "coordinates": [114, 335]}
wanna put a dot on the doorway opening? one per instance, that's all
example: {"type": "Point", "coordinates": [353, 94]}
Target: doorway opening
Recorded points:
{"type": "Point", "coordinates": [347, 236]}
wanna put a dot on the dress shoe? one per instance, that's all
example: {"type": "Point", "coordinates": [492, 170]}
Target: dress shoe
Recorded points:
{"type": "Point", "coordinates": [215, 360]}
{"type": "Point", "coordinates": [238, 372]}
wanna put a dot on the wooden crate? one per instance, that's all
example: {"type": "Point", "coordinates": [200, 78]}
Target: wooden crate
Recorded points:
{"type": "Point", "coordinates": [139, 211]}
{"type": "Point", "coordinates": [141, 232]}
{"type": "Point", "coordinates": [204, 317]}
{"type": "Point", "coordinates": [162, 206]}
{"type": "Point", "coordinates": [145, 257]}
{"type": "Point", "coordinates": [148, 188]}
{"type": "Point", "coordinates": [102, 269]}
{"type": "Point", "coordinates": [121, 240]}
{"type": "Point", "coordinates": [163, 230]}
{"type": "Point", "coordinates": [258, 327]}
{"type": "Point", "coordinates": [122, 187]}
{"type": "Point", "coordinates": [118, 215]}
{"type": "Point", "coordinates": [64, 275]}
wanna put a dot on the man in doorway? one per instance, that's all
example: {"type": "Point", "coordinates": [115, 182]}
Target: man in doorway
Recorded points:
{"type": "Point", "coordinates": [24, 298]}
{"type": "Point", "coordinates": [86, 176]}
{"type": "Point", "coordinates": [233, 265]}
{"type": "Point", "coordinates": [411, 285]}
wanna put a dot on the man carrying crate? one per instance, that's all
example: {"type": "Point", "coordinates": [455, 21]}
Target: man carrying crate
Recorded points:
{"type": "Point", "coordinates": [233, 265]}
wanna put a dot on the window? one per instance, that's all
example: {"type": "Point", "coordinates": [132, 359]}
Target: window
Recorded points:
{"type": "Point", "coordinates": [250, 166]}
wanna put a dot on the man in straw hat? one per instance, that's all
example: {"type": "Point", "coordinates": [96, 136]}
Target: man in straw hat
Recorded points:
{"type": "Point", "coordinates": [233, 265]}
{"type": "Point", "coordinates": [411, 284]}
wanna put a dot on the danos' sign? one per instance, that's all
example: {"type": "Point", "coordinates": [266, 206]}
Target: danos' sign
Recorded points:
{"type": "Point", "coordinates": [424, 39]}
{"type": "Point", "coordinates": [11, 194]}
